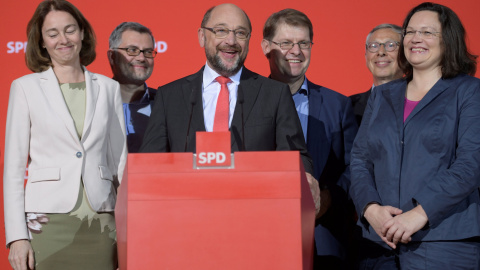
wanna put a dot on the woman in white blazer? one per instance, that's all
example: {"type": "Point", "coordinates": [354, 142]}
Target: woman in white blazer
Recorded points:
{"type": "Point", "coordinates": [66, 124]}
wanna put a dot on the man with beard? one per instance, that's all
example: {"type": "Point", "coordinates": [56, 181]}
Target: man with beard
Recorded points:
{"type": "Point", "coordinates": [259, 112]}
{"type": "Point", "coordinates": [131, 55]}
{"type": "Point", "coordinates": [329, 127]}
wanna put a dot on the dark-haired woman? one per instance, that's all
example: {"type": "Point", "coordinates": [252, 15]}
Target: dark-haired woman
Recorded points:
{"type": "Point", "coordinates": [66, 124]}
{"type": "Point", "coordinates": [416, 159]}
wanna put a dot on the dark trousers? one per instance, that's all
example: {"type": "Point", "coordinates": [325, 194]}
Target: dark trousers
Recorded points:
{"type": "Point", "coordinates": [463, 254]}
{"type": "Point", "coordinates": [329, 263]}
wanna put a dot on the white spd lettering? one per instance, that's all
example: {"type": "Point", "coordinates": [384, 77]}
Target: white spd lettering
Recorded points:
{"type": "Point", "coordinates": [208, 157]}
{"type": "Point", "coordinates": [161, 46]}
{"type": "Point", "coordinates": [16, 46]}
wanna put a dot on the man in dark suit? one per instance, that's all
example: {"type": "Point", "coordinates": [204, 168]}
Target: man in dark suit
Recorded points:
{"type": "Point", "coordinates": [131, 55]}
{"type": "Point", "coordinates": [328, 125]}
{"type": "Point", "coordinates": [259, 111]}
{"type": "Point", "coordinates": [381, 52]}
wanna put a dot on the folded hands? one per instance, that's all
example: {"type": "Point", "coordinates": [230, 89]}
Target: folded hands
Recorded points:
{"type": "Point", "coordinates": [392, 225]}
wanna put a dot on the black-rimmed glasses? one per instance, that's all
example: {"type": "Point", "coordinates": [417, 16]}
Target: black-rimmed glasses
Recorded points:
{"type": "Point", "coordinates": [287, 45]}
{"type": "Point", "coordinates": [134, 51]}
{"type": "Point", "coordinates": [222, 32]}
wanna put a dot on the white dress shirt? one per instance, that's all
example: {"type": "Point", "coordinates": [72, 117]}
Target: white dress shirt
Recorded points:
{"type": "Point", "coordinates": [210, 91]}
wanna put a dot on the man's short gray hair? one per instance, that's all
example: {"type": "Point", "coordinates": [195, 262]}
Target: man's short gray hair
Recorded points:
{"type": "Point", "coordinates": [116, 36]}
{"type": "Point", "coordinates": [397, 29]}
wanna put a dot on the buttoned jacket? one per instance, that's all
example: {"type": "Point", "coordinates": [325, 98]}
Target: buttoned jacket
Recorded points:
{"type": "Point", "coordinates": [40, 133]}
{"type": "Point", "coordinates": [431, 159]}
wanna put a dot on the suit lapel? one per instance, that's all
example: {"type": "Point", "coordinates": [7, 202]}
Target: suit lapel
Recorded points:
{"type": "Point", "coordinates": [192, 91]}
{"type": "Point", "coordinates": [440, 86]}
{"type": "Point", "coordinates": [315, 100]}
{"type": "Point", "coordinates": [91, 101]}
{"type": "Point", "coordinates": [364, 98]}
{"type": "Point", "coordinates": [396, 100]}
{"type": "Point", "coordinates": [250, 88]}
{"type": "Point", "coordinates": [51, 89]}
{"type": "Point", "coordinates": [318, 142]}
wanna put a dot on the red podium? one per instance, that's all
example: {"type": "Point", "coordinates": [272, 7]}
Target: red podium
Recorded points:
{"type": "Point", "coordinates": [258, 214]}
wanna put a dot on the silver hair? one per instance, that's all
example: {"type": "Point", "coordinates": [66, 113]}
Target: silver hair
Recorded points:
{"type": "Point", "coordinates": [397, 29]}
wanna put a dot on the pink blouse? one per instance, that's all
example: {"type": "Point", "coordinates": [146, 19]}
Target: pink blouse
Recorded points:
{"type": "Point", "coordinates": [408, 108]}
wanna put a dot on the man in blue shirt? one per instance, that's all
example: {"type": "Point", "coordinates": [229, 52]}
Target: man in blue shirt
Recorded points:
{"type": "Point", "coordinates": [131, 55]}
{"type": "Point", "coordinates": [328, 125]}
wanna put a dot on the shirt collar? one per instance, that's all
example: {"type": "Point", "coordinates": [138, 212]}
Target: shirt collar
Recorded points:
{"type": "Point", "coordinates": [209, 76]}
{"type": "Point", "coordinates": [145, 98]}
{"type": "Point", "coordinates": [304, 86]}
{"type": "Point", "coordinates": [373, 88]}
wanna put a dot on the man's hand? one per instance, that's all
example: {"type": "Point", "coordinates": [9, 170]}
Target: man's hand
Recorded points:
{"type": "Point", "coordinates": [325, 202]}
{"type": "Point", "coordinates": [315, 189]}
{"type": "Point", "coordinates": [402, 227]}
{"type": "Point", "coordinates": [378, 215]}
{"type": "Point", "coordinates": [21, 255]}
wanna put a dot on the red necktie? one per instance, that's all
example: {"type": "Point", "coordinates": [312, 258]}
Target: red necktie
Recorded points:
{"type": "Point", "coordinates": [220, 122]}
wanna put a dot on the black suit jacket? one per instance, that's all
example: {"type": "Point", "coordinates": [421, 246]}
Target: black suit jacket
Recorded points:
{"type": "Point", "coordinates": [359, 102]}
{"type": "Point", "coordinates": [269, 123]}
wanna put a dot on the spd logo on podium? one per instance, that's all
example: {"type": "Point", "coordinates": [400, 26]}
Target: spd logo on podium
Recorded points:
{"type": "Point", "coordinates": [213, 150]}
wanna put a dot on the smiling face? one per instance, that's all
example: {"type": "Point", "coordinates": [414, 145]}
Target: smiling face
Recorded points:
{"type": "Point", "coordinates": [132, 69]}
{"type": "Point", "coordinates": [288, 66]}
{"type": "Point", "coordinates": [62, 38]}
{"type": "Point", "coordinates": [225, 55]}
{"type": "Point", "coordinates": [382, 64]}
{"type": "Point", "coordinates": [424, 53]}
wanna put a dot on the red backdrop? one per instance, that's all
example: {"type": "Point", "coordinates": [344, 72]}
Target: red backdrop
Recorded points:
{"type": "Point", "coordinates": [338, 62]}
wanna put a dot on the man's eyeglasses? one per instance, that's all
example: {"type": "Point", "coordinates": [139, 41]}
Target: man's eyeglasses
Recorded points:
{"type": "Point", "coordinates": [222, 32]}
{"type": "Point", "coordinates": [408, 33]}
{"type": "Point", "coordinates": [389, 46]}
{"type": "Point", "coordinates": [287, 45]}
{"type": "Point", "coordinates": [134, 51]}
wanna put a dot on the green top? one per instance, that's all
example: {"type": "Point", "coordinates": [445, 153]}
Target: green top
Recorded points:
{"type": "Point", "coordinates": [75, 98]}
